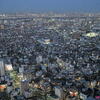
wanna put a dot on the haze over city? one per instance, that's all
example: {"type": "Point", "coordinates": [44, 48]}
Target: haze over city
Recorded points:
{"type": "Point", "coordinates": [61, 6]}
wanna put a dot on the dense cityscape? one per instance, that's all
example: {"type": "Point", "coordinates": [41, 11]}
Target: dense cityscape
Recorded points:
{"type": "Point", "coordinates": [50, 56]}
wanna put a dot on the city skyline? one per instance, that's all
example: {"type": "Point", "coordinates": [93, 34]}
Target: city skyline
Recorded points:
{"type": "Point", "coordinates": [60, 6]}
{"type": "Point", "coordinates": [49, 50]}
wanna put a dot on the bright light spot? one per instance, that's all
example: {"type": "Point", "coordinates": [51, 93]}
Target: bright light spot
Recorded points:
{"type": "Point", "coordinates": [91, 34]}
{"type": "Point", "coordinates": [8, 67]}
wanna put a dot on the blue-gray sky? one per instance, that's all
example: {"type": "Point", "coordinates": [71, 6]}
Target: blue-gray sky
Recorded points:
{"type": "Point", "coordinates": [49, 6]}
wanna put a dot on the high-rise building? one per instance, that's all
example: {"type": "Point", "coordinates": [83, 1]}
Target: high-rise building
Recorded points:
{"type": "Point", "coordinates": [2, 27]}
{"type": "Point", "coordinates": [2, 68]}
{"type": "Point", "coordinates": [59, 92]}
{"type": "Point", "coordinates": [24, 86]}
{"type": "Point", "coordinates": [39, 59]}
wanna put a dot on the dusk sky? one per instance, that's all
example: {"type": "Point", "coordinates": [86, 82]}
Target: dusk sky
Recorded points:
{"type": "Point", "coordinates": [49, 6]}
